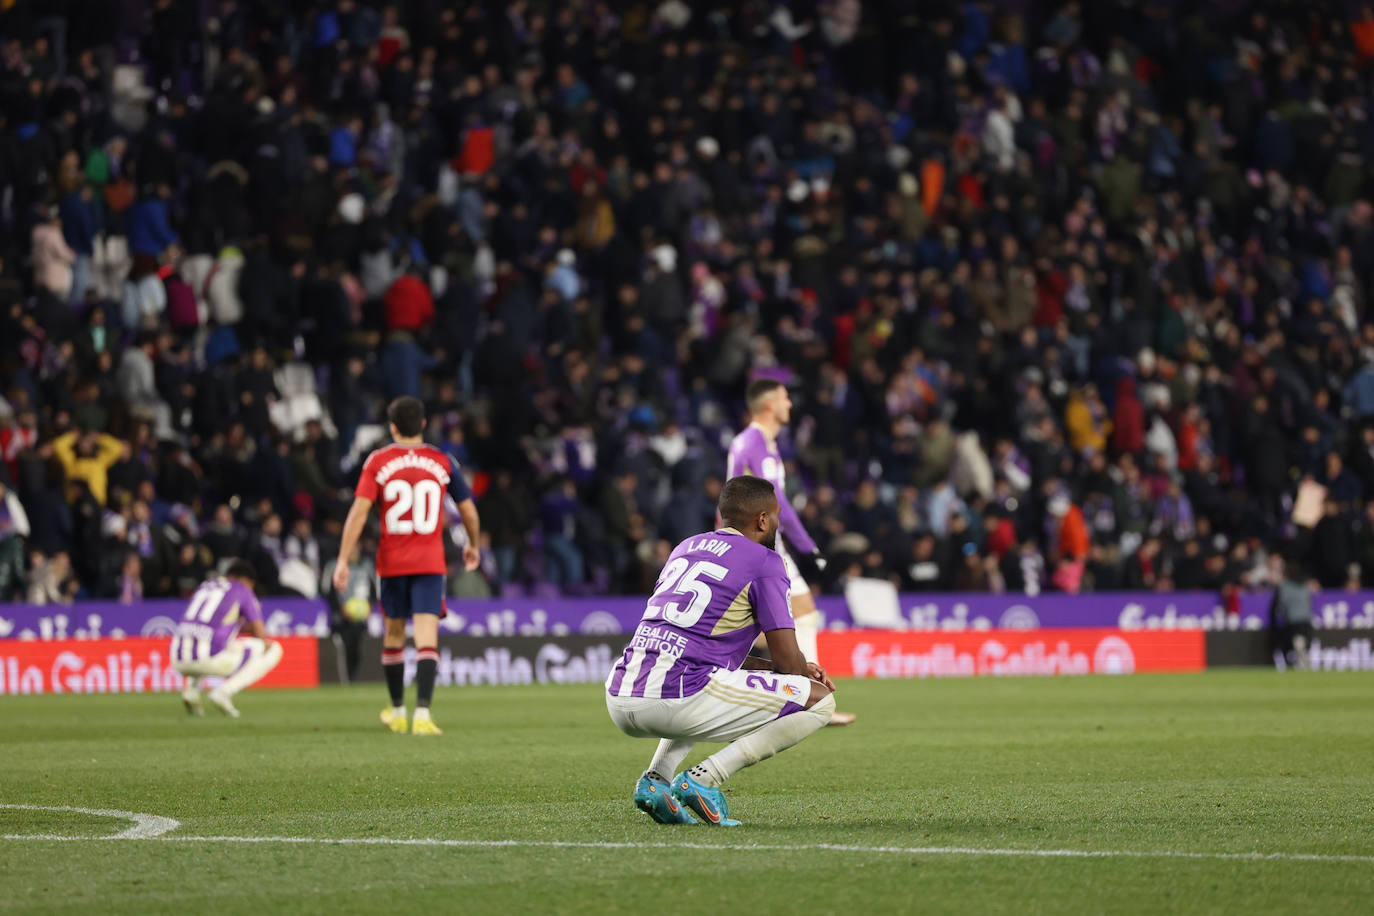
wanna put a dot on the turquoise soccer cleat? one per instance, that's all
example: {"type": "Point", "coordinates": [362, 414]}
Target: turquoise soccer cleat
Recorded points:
{"type": "Point", "coordinates": [706, 801]}
{"type": "Point", "coordinates": [655, 799]}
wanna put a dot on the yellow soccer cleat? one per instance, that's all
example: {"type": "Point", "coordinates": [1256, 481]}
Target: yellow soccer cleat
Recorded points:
{"type": "Point", "coordinates": [394, 723]}
{"type": "Point", "coordinates": [425, 727]}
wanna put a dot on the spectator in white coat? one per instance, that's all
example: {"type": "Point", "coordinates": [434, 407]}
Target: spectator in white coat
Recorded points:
{"type": "Point", "coordinates": [52, 257]}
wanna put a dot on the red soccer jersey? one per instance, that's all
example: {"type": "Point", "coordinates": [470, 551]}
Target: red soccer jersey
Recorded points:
{"type": "Point", "coordinates": [14, 440]}
{"type": "Point", "coordinates": [412, 480]}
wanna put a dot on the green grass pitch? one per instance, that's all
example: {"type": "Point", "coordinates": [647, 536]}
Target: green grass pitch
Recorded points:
{"type": "Point", "coordinates": [1211, 764]}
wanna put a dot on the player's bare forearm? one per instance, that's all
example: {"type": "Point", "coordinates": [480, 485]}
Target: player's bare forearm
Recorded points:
{"type": "Point", "coordinates": [472, 523]}
{"type": "Point", "coordinates": [787, 655]}
{"type": "Point", "coordinates": [472, 553]}
{"type": "Point", "coordinates": [758, 663]}
{"type": "Point", "coordinates": [353, 528]}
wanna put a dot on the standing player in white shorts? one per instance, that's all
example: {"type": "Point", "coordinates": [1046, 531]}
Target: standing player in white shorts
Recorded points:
{"type": "Point", "coordinates": [687, 676]}
{"type": "Point", "coordinates": [207, 641]}
{"type": "Point", "coordinates": [755, 451]}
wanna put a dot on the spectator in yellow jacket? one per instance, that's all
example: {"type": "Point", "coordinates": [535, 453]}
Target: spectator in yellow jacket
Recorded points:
{"type": "Point", "coordinates": [88, 457]}
{"type": "Point", "coordinates": [1085, 418]}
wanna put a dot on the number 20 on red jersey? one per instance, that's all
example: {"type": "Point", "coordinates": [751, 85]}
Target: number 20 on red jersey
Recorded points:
{"type": "Point", "coordinates": [411, 481]}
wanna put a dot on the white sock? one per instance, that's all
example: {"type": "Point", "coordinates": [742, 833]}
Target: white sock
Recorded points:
{"type": "Point", "coordinates": [421, 713]}
{"type": "Point", "coordinates": [192, 685]}
{"type": "Point", "coordinates": [669, 756]}
{"type": "Point", "coordinates": [262, 658]}
{"type": "Point", "coordinates": [398, 711]}
{"type": "Point", "coordinates": [808, 625]}
{"type": "Point", "coordinates": [778, 735]}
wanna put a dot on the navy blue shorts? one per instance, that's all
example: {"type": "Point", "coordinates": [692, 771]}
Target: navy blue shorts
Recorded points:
{"type": "Point", "coordinates": [403, 596]}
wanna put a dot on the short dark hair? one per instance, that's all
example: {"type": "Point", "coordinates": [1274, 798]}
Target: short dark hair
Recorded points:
{"type": "Point", "coordinates": [240, 569]}
{"type": "Point", "coordinates": [758, 390]}
{"type": "Point", "coordinates": [743, 498]}
{"type": "Point", "coordinates": [407, 414]}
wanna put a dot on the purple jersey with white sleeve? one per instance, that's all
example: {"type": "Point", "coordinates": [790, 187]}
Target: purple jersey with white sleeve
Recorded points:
{"type": "Point", "coordinates": [216, 611]}
{"type": "Point", "coordinates": [755, 453]}
{"type": "Point", "coordinates": [716, 593]}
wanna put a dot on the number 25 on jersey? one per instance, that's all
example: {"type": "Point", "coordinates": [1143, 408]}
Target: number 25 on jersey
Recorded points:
{"type": "Point", "coordinates": [679, 581]}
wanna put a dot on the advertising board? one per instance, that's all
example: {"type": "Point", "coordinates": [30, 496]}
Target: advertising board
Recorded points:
{"type": "Point", "coordinates": [1331, 650]}
{"type": "Point", "coordinates": [134, 665]}
{"type": "Point", "coordinates": [511, 660]}
{"type": "Point", "coordinates": [943, 613]}
{"type": "Point", "coordinates": [908, 654]}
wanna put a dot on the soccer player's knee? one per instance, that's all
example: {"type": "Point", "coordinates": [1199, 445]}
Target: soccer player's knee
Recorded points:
{"type": "Point", "coordinates": [819, 692]}
{"type": "Point", "coordinates": [824, 708]}
{"type": "Point", "coordinates": [273, 655]}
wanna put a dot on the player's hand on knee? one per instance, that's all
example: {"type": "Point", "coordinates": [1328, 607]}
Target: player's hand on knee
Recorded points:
{"type": "Point", "coordinates": [817, 673]}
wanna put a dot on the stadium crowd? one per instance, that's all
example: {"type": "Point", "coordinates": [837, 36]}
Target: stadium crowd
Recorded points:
{"type": "Point", "coordinates": [1069, 295]}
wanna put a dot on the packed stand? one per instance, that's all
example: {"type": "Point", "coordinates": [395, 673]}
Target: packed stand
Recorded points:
{"type": "Point", "coordinates": [1072, 297]}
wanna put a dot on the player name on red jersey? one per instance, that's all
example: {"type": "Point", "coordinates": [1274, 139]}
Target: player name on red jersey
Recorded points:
{"type": "Point", "coordinates": [412, 460]}
{"type": "Point", "coordinates": [409, 482]}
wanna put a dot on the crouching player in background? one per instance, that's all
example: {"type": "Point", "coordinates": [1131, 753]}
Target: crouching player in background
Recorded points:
{"type": "Point", "coordinates": [207, 640]}
{"type": "Point", "coordinates": [687, 676]}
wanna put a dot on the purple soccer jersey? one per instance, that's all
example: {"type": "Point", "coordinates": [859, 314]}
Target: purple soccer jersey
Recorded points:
{"type": "Point", "coordinates": [753, 453]}
{"type": "Point", "coordinates": [212, 619]}
{"type": "Point", "coordinates": [716, 593]}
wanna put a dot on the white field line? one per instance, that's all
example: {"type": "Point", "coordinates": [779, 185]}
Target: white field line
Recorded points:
{"type": "Point", "coordinates": [152, 827]}
{"type": "Point", "coordinates": [146, 826]}
{"type": "Point", "coordinates": [762, 847]}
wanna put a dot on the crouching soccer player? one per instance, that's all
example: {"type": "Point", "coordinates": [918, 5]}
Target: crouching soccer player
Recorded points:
{"type": "Point", "coordinates": [207, 640]}
{"type": "Point", "coordinates": [687, 676]}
